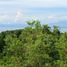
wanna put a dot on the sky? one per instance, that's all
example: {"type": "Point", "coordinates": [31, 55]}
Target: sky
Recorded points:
{"type": "Point", "coordinates": [15, 13]}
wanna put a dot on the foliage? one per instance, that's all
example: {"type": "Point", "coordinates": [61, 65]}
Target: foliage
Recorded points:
{"type": "Point", "coordinates": [34, 46]}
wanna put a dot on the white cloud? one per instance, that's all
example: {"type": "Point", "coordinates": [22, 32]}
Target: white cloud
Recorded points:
{"type": "Point", "coordinates": [20, 16]}
{"type": "Point", "coordinates": [8, 18]}
{"type": "Point", "coordinates": [4, 18]}
{"type": "Point", "coordinates": [36, 3]}
{"type": "Point", "coordinates": [45, 3]}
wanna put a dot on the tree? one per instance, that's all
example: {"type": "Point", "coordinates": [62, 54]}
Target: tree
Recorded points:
{"type": "Point", "coordinates": [33, 46]}
{"type": "Point", "coordinates": [46, 29]}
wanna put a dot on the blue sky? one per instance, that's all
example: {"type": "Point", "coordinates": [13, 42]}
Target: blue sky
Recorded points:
{"type": "Point", "coordinates": [15, 13]}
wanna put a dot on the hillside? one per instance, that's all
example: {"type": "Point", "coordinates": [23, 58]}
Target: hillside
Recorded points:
{"type": "Point", "coordinates": [34, 46]}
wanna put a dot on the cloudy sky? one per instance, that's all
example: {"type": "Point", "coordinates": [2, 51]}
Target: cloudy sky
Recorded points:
{"type": "Point", "coordinates": [14, 13]}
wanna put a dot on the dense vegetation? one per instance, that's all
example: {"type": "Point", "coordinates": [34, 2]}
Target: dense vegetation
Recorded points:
{"type": "Point", "coordinates": [34, 46]}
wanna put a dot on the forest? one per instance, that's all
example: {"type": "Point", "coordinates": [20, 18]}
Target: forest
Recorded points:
{"type": "Point", "coordinates": [36, 45]}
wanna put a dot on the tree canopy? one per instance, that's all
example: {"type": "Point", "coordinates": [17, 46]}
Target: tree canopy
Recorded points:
{"type": "Point", "coordinates": [33, 46]}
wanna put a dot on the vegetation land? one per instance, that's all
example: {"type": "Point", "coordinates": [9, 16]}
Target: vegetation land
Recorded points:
{"type": "Point", "coordinates": [33, 46]}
